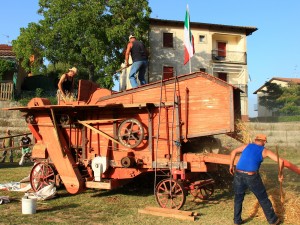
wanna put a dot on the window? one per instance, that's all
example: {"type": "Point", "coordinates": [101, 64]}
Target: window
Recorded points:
{"type": "Point", "coordinates": [202, 38]}
{"type": "Point", "coordinates": [223, 76]}
{"type": "Point", "coordinates": [222, 49]}
{"type": "Point", "coordinates": [202, 69]}
{"type": "Point", "coordinates": [168, 72]}
{"type": "Point", "coordinates": [168, 40]}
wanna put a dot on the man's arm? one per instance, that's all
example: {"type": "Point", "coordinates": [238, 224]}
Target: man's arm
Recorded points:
{"type": "Point", "coordinates": [60, 84]}
{"type": "Point", "coordinates": [129, 46]}
{"type": "Point", "coordinates": [273, 156]}
{"type": "Point", "coordinates": [232, 157]}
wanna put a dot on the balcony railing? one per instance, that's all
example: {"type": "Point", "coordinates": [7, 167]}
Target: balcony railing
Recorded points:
{"type": "Point", "coordinates": [229, 56]}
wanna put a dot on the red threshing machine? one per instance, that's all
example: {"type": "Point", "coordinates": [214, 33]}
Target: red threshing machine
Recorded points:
{"type": "Point", "coordinates": [104, 138]}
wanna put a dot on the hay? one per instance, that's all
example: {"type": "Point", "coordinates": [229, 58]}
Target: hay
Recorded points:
{"type": "Point", "coordinates": [244, 132]}
{"type": "Point", "coordinates": [287, 212]}
{"type": "Point", "coordinates": [69, 98]}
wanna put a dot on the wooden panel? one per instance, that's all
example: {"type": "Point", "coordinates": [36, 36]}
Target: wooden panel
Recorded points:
{"type": "Point", "coordinates": [209, 102]}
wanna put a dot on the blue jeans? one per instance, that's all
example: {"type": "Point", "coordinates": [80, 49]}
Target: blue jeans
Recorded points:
{"type": "Point", "coordinates": [243, 181]}
{"type": "Point", "coordinates": [138, 67]}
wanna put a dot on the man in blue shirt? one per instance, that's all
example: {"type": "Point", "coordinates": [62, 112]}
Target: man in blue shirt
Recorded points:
{"type": "Point", "coordinates": [246, 176]}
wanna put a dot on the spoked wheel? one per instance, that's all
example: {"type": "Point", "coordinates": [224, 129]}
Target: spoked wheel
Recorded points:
{"type": "Point", "coordinates": [203, 192]}
{"type": "Point", "coordinates": [170, 194]}
{"type": "Point", "coordinates": [41, 175]}
{"type": "Point", "coordinates": [130, 133]}
{"type": "Point", "coordinates": [203, 188]}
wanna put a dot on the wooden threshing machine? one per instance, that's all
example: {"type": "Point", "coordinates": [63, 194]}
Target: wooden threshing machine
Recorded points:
{"type": "Point", "coordinates": [104, 139]}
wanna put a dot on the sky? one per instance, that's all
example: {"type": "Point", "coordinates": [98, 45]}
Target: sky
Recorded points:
{"type": "Point", "coordinates": [272, 51]}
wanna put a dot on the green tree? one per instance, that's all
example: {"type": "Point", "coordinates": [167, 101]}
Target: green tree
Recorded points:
{"type": "Point", "coordinates": [271, 93]}
{"type": "Point", "coordinates": [28, 44]}
{"type": "Point", "coordinates": [6, 66]}
{"type": "Point", "coordinates": [88, 34]}
{"type": "Point", "coordinates": [290, 99]}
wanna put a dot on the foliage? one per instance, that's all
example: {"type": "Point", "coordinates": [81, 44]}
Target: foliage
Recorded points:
{"type": "Point", "coordinates": [38, 92]}
{"type": "Point", "coordinates": [270, 95]}
{"type": "Point", "coordinates": [290, 99]}
{"type": "Point", "coordinates": [88, 34]}
{"type": "Point", "coordinates": [285, 99]}
{"type": "Point", "coordinates": [6, 66]}
{"type": "Point", "coordinates": [27, 46]}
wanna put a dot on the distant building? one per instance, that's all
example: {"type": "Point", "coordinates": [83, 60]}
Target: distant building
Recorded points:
{"type": "Point", "coordinates": [220, 50]}
{"type": "Point", "coordinates": [283, 82]}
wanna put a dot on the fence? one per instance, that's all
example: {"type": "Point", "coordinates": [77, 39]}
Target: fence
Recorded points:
{"type": "Point", "coordinates": [6, 90]}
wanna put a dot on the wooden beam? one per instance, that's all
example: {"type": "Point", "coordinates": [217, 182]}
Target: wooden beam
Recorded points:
{"type": "Point", "coordinates": [99, 121]}
{"type": "Point", "coordinates": [166, 210]}
{"type": "Point", "coordinates": [98, 131]}
{"type": "Point", "coordinates": [174, 214]}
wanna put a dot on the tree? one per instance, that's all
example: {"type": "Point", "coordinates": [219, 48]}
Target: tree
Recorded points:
{"type": "Point", "coordinates": [290, 99]}
{"type": "Point", "coordinates": [29, 49]}
{"type": "Point", "coordinates": [6, 66]}
{"type": "Point", "coordinates": [90, 34]}
{"type": "Point", "coordinates": [270, 95]}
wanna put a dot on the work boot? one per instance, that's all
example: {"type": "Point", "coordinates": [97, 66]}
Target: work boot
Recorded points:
{"type": "Point", "coordinates": [276, 223]}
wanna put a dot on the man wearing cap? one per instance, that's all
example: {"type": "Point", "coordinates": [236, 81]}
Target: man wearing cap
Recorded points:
{"type": "Point", "coordinates": [246, 175]}
{"type": "Point", "coordinates": [139, 57]}
{"type": "Point", "coordinates": [66, 83]}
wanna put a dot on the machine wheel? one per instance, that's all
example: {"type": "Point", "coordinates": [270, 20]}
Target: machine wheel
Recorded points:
{"type": "Point", "coordinates": [203, 192]}
{"type": "Point", "coordinates": [130, 133]}
{"type": "Point", "coordinates": [42, 174]}
{"type": "Point", "coordinates": [170, 194]}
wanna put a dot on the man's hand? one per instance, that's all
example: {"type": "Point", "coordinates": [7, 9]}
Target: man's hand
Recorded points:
{"type": "Point", "coordinates": [280, 178]}
{"type": "Point", "coordinates": [231, 169]}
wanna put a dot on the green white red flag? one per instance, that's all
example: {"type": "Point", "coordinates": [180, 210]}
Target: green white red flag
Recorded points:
{"type": "Point", "coordinates": [188, 38]}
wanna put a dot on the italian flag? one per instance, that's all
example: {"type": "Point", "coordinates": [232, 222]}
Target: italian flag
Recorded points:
{"type": "Point", "coordinates": [188, 38]}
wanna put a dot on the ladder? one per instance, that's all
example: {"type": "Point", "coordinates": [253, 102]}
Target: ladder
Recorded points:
{"type": "Point", "coordinates": [171, 124]}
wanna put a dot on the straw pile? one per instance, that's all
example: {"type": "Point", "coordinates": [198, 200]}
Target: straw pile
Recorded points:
{"type": "Point", "coordinates": [244, 131]}
{"type": "Point", "coordinates": [288, 211]}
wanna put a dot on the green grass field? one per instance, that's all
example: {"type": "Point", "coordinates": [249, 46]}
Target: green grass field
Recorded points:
{"type": "Point", "coordinates": [121, 206]}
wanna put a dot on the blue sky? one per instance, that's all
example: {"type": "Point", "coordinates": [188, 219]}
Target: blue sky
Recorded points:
{"type": "Point", "coordinates": [273, 50]}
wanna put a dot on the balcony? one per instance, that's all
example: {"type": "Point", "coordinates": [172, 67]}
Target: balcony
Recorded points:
{"type": "Point", "coordinates": [229, 56]}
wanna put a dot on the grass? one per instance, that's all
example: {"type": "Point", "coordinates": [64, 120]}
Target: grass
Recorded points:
{"type": "Point", "coordinates": [121, 206]}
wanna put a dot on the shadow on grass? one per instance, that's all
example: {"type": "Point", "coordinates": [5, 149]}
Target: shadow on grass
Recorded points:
{"type": "Point", "coordinates": [58, 208]}
{"type": "Point", "coordinates": [8, 165]}
{"type": "Point", "coordinates": [142, 185]}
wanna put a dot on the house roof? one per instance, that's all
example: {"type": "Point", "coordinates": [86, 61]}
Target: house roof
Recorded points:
{"type": "Point", "coordinates": [6, 51]}
{"type": "Point", "coordinates": [284, 79]}
{"type": "Point", "coordinates": [248, 30]}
